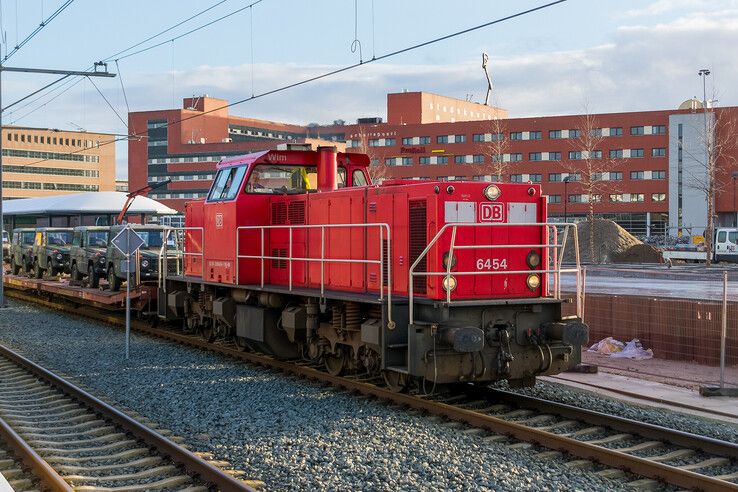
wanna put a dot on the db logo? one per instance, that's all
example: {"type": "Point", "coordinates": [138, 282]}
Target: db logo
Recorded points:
{"type": "Point", "coordinates": [218, 221]}
{"type": "Point", "coordinates": [491, 212]}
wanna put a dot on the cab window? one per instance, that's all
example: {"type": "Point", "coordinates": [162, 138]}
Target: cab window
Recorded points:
{"type": "Point", "coordinates": [97, 238]}
{"type": "Point", "coordinates": [59, 238]}
{"type": "Point", "coordinates": [358, 178]}
{"type": "Point", "coordinates": [722, 236]}
{"type": "Point", "coordinates": [29, 237]}
{"type": "Point", "coordinates": [275, 179]}
{"type": "Point", "coordinates": [733, 237]}
{"type": "Point", "coordinates": [226, 184]}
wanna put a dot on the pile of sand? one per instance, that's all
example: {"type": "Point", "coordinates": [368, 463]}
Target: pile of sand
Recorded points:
{"type": "Point", "coordinates": [612, 244]}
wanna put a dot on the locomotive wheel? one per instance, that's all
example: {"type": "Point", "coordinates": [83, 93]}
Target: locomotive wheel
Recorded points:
{"type": "Point", "coordinates": [334, 364]}
{"type": "Point", "coordinates": [395, 381]}
{"type": "Point", "coordinates": [76, 276]}
{"type": "Point", "coordinates": [93, 279]}
{"type": "Point", "coordinates": [207, 331]}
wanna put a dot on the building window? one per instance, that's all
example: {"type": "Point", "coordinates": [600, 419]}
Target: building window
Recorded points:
{"type": "Point", "coordinates": [575, 133]}
{"type": "Point", "coordinates": [595, 132]}
{"type": "Point", "coordinates": [407, 161]}
{"type": "Point", "coordinates": [575, 155]}
{"type": "Point", "coordinates": [374, 142]}
{"type": "Point", "coordinates": [554, 198]}
{"type": "Point", "coordinates": [658, 197]}
{"type": "Point", "coordinates": [535, 135]}
{"type": "Point", "coordinates": [374, 162]}
{"type": "Point", "coordinates": [554, 177]}
{"type": "Point", "coordinates": [460, 139]}
{"type": "Point", "coordinates": [424, 161]}
{"type": "Point", "coordinates": [636, 175]}
{"type": "Point", "coordinates": [596, 198]}
{"type": "Point", "coordinates": [616, 131]}
{"type": "Point", "coordinates": [534, 178]}
{"type": "Point", "coordinates": [637, 197]}
{"type": "Point", "coordinates": [575, 198]}
{"type": "Point", "coordinates": [616, 175]}
{"type": "Point", "coordinates": [534, 156]}
{"type": "Point", "coordinates": [658, 174]}
{"type": "Point", "coordinates": [498, 137]}
{"type": "Point", "coordinates": [616, 197]}
{"type": "Point", "coordinates": [35, 139]}
{"type": "Point", "coordinates": [10, 137]}
{"type": "Point", "coordinates": [554, 156]}
{"type": "Point", "coordinates": [616, 153]}
{"type": "Point", "coordinates": [574, 177]}
{"type": "Point", "coordinates": [516, 178]}
{"type": "Point", "coordinates": [442, 139]}
{"type": "Point", "coordinates": [442, 159]}
{"type": "Point", "coordinates": [407, 141]}
{"type": "Point", "coordinates": [636, 152]}
{"type": "Point", "coordinates": [516, 135]}
{"type": "Point", "coordinates": [636, 130]}
{"type": "Point", "coordinates": [478, 158]}
{"type": "Point", "coordinates": [595, 154]}
{"type": "Point", "coordinates": [596, 176]}
{"type": "Point", "coordinates": [23, 138]}
{"type": "Point", "coordinates": [459, 159]}
{"type": "Point", "coordinates": [424, 140]}
{"type": "Point", "coordinates": [658, 152]}
{"type": "Point", "coordinates": [497, 157]}
{"type": "Point", "coordinates": [554, 134]}
{"type": "Point", "coordinates": [516, 157]}
{"type": "Point", "coordinates": [389, 142]}
{"type": "Point", "coordinates": [658, 129]}
{"type": "Point", "coordinates": [478, 137]}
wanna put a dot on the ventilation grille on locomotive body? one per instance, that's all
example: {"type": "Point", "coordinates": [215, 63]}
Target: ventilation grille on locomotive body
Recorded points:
{"type": "Point", "coordinates": [418, 236]}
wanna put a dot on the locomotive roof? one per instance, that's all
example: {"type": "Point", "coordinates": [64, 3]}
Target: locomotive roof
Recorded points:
{"type": "Point", "coordinates": [288, 157]}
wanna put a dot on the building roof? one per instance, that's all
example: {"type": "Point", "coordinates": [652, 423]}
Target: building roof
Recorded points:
{"type": "Point", "coordinates": [101, 202]}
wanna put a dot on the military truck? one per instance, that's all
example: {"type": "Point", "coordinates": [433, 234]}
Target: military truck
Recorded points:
{"type": "Point", "coordinates": [88, 254]}
{"type": "Point", "coordinates": [147, 266]}
{"type": "Point", "coordinates": [51, 251]}
{"type": "Point", "coordinates": [21, 250]}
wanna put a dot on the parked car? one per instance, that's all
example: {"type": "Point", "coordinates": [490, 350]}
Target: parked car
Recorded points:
{"type": "Point", "coordinates": [88, 253]}
{"type": "Point", "coordinates": [148, 255]}
{"type": "Point", "coordinates": [6, 246]}
{"type": "Point", "coordinates": [51, 251]}
{"type": "Point", "coordinates": [21, 250]}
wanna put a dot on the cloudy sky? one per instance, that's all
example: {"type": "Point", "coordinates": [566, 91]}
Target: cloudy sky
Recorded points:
{"type": "Point", "coordinates": [603, 55]}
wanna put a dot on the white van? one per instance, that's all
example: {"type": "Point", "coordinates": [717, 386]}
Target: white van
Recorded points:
{"type": "Point", "coordinates": [726, 244]}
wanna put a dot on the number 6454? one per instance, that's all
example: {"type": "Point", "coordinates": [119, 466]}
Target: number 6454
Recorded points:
{"type": "Point", "coordinates": [491, 264]}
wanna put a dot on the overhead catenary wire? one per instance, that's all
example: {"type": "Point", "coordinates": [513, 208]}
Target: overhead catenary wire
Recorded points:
{"type": "Point", "coordinates": [33, 33]}
{"type": "Point", "coordinates": [332, 72]}
{"type": "Point", "coordinates": [107, 101]}
{"type": "Point", "coordinates": [116, 56]}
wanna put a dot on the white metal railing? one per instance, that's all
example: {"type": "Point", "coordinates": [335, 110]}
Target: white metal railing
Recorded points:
{"type": "Point", "coordinates": [180, 236]}
{"type": "Point", "coordinates": [384, 232]}
{"type": "Point", "coordinates": [557, 258]}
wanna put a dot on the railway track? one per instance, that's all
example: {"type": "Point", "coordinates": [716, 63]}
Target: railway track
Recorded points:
{"type": "Point", "coordinates": [617, 445]}
{"type": "Point", "coordinates": [66, 439]}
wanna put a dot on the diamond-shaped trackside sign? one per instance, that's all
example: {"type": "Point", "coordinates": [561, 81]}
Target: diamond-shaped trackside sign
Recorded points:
{"type": "Point", "coordinates": [127, 241]}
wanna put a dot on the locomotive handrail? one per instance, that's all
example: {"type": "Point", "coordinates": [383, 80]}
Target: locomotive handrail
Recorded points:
{"type": "Point", "coordinates": [163, 258]}
{"type": "Point", "coordinates": [382, 226]}
{"type": "Point", "coordinates": [558, 259]}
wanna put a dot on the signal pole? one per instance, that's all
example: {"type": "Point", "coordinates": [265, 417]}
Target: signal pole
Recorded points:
{"type": "Point", "coordinates": [66, 73]}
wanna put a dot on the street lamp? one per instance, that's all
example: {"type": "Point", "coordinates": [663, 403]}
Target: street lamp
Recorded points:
{"type": "Point", "coordinates": [566, 198]}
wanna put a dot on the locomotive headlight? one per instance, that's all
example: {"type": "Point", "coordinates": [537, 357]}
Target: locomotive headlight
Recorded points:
{"type": "Point", "coordinates": [144, 263]}
{"type": "Point", "coordinates": [446, 260]}
{"type": "Point", "coordinates": [449, 283]}
{"type": "Point", "coordinates": [533, 259]}
{"type": "Point", "coordinates": [492, 192]}
{"type": "Point", "coordinates": [533, 281]}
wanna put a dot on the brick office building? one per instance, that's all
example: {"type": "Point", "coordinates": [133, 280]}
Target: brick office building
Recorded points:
{"type": "Point", "coordinates": [649, 160]}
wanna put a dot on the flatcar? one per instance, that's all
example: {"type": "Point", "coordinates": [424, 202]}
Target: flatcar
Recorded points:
{"type": "Point", "coordinates": [297, 254]}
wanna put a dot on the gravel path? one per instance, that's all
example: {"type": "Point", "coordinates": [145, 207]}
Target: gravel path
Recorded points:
{"type": "Point", "coordinates": [292, 434]}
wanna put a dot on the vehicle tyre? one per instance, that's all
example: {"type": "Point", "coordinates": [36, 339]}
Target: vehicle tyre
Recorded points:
{"type": "Point", "coordinates": [93, 279]}
{"type": "Point", "coordinates": [16, 267]}
{"type": "Point", "coordinates": [76, 275]}
{"type": "Point", "coordinates": [49, 271]}
{"type": "Point", "coordinates": [113, 280]}
{"type": "Point", "coordinates": [36, 270]}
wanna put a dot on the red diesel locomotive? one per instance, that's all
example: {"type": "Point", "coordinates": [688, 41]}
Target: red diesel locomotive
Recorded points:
{"type": "Point", "coordinates": [295, 253]}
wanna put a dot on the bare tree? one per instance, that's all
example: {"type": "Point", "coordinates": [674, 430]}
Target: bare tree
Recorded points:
{"type": "Point", "coordinates": [493, 147]}
{"type": "Point", "coordinates": [711, 173]}
{"type": "Point", "coordinates": [590, 167]}
{"type": "Point", "coordinates": [377, 169]}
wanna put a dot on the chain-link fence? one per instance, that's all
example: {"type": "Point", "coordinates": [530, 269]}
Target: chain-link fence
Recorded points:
{"type": "Point", "coordinates": [687, 318]}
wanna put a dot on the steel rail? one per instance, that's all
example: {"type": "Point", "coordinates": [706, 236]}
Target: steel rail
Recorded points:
{"type": "Point", "coordinates": [606, 456]}
{"type": "Point", "coordinates": [181, 456]}
{"type": "Point", "coordinates": [39, 467]}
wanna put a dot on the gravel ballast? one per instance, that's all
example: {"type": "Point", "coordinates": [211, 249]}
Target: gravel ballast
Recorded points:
{"type": "Point", "coordinates": [290, 433]}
